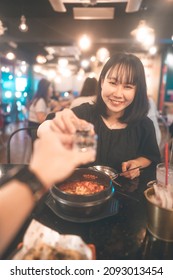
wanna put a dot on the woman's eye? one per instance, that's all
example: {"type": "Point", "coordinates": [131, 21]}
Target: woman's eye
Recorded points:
{"type": "Point", "coordinates": [129, 86]}
{"type": "Point", "coordinates": [113, 82]}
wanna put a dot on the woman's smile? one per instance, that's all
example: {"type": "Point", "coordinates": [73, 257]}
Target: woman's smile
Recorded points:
{"type": "Point", "coordinates": [117, 96]}
{"type": "Point", "coordinates": [116, 102]}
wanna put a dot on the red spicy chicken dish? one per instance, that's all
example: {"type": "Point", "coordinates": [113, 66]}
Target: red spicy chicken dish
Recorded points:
{"type": "Point", "coordinates": [82, 187]}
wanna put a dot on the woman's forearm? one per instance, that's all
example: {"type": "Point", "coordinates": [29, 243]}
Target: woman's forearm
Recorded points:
{"type": "Point", "coordinates": [143, 162]}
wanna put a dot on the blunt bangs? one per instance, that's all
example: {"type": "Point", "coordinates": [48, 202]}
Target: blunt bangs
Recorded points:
{"type": "Point", "coordinates": [124, 73]}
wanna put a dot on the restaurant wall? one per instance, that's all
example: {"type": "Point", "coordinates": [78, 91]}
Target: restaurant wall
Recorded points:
{"type": "Point", "coordinates": [152, 66]}
{"type": "Point", "coordinates": [73, 83]}
{"type": "Point", "coordinates": [166, 89]}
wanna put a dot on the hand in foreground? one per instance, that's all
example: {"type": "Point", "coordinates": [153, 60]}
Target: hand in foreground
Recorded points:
{"type": "Point", "coordinates": [67, 122]}
{"type": "Point", "coordinates": [55, 157]}
{"type": "Point", "coordinates": [128, 165]}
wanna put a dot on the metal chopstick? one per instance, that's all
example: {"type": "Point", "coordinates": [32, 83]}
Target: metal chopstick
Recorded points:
{"type": "Point", "coordinates": [120, 173]}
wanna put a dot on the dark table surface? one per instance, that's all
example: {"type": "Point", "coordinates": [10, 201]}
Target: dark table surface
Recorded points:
{"type": "Point", "coordinates": [122, 235]}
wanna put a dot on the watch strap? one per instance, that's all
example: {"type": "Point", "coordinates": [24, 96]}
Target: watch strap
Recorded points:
{"type": "Point", "coordinates": [26, 176]}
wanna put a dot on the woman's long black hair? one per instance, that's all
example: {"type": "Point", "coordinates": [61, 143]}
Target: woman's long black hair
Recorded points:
{"type": "Point", "coordinates": [89, 87]}
{"type": "Point", "coordinates": [129, 70]}
{"type": "Point", "coordinates": [42, 91]}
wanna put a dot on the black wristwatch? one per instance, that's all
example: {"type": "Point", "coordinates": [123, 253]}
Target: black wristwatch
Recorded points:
{"type": "Point", "coordinates": [25, 175]}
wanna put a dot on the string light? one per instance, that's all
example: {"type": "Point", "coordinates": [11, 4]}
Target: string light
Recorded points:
{"type": "Point", "coordinates": [23, 27]}
{"type": "Point", "coordinates": [102, 55]}
{"type": "Point", "coordinates": [10, 56]}
{"type": "Point", "coordinates": [85, 43]}
{"type": "Point", "coordinates": [144, 34]}
{"type": "Point", "coordinates": [41, 59]}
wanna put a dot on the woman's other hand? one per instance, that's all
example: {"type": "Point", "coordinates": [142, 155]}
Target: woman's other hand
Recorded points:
{"type": "Point", "coordinates": [141, 161]}
{"type": "Point", "coordinates": [130, 165]}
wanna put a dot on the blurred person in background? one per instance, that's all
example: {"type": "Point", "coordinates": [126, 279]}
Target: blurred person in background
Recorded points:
{"type": "Point", "coordinates": [54, 159]}
{"type": "Point", "coordinates": [153, 114]}
{"type": "Point", "coordinates": [41, 105]}
{"type": "Point", "coordinates": [88, 92]}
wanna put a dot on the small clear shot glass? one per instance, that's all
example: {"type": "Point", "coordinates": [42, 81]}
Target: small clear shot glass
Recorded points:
{"type": "Point", "coordinates": [85, 140]}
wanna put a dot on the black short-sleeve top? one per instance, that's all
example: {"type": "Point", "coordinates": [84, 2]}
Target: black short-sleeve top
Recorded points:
{"type": "Point", "coordinates": [118, 145]}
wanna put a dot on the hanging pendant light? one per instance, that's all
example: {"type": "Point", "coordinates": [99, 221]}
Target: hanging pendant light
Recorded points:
{"type": "Point", "coordinates": [23, 27]}
{"type": "Point", "coordinates": [144, 34]}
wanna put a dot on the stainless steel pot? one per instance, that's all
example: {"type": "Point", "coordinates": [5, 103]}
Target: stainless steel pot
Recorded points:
{"type": "Point", "coordinates": [112, 173]}
{"type": "Point", "coordinates": [84, 205]}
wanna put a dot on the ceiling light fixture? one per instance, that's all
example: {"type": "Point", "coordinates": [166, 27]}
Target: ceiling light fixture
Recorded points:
{"type": "Point", "coordinates": [10, 56]}
{"type": "Point", "coordinates": [144, 34]}
{"type": "Point", "coordinates": [41, 59]}
{"type": "Point", "coordinates": [84, 43]}
{"type": "Point", "coordinates": [58, 6]}
{"type": "Point", "coordinates": [23, 27]}
{"type": "Point", "coordinates": [85, 63]}
{"type": "Point", "coordinates": [62, 62]}
{"type": "Point", "coordinates": [133, 6]}
{"type": "Point", "coordinates": [102, 55]}
{"type": "Point", "coordinates": [153, 50]}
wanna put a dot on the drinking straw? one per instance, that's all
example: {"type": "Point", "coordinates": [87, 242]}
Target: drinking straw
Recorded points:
{"type": "Point", "coordinates": [166, 163]}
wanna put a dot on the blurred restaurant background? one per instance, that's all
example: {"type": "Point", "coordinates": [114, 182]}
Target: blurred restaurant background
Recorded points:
{"type": "Point", "coordinates": [66, 41]}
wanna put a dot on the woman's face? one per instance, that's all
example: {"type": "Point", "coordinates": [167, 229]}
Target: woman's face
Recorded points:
{"type": "Point", "coordinates": [117, 96]}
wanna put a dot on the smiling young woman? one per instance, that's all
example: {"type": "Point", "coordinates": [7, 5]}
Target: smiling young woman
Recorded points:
{"type": "Point", "coordinates": [126, 136]}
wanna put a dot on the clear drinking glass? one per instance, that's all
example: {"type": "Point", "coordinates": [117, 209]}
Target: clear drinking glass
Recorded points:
{"type": "Point", "coordinates": [85, 140]}
{"type": "Point", "coordinates": [161, 173]}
